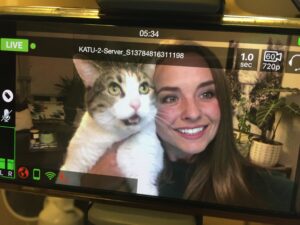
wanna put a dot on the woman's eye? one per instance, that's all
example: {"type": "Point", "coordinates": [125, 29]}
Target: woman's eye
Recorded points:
{"type": "Point", "coordinates": [168, 99]}
{"type": "Point", "coordinates": [208, 95]}
{"type": "Point", "coordinates": [114, 89]}
{"type": "Point", "coordinates": [144, 88]}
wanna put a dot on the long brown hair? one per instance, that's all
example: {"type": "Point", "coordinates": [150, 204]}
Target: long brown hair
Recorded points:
{"type": "Point", "coordinates": [218, 173]}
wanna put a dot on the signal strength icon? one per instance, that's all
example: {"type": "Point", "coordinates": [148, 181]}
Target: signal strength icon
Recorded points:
{"type": "Point", "coordinates": [50, 175]}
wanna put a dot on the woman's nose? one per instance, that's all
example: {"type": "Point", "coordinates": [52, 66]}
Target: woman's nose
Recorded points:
{"type": "Point", "coordinates": [191, 111]}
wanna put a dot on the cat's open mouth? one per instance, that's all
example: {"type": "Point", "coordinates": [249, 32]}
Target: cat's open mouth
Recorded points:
{"type": "Point", "coordinates": [133, 120]}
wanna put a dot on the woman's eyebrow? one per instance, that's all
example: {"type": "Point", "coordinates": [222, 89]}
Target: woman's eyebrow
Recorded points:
{"type": "Point", "coordinates": [174, 89]}
{"type": "Point", "coordinates": [206, 83]}
{"type": "Point", "coordinates": [167, 88]}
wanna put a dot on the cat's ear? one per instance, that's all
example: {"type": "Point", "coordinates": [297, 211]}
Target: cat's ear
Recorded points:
{"type": "Point", "coordinates": [87, 70]}
{"type": "Point", "coordinates": [149, 68]}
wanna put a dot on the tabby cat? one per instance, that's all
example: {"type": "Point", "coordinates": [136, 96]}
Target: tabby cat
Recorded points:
{"type": "Point", "coordinates": [120, 106]}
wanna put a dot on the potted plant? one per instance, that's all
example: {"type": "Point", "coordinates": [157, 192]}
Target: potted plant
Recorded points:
{"type": "Point", "coordinates": [243, 127]}
{"type": "Point", "coordinates": [72, 91]}
{"type": "Point", "coordinates": [264, 149]}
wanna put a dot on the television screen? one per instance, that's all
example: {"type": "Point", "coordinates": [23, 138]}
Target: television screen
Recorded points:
{"type": "Point", "coordinates": [206, 117]}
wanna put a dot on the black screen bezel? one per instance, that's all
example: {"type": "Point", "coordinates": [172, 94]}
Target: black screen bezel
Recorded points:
{"type": "Point", "coordinates": [165, 204]}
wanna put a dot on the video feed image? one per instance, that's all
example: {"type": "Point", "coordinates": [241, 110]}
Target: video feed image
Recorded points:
{"type": "Point", "coordinates": [162, 117]}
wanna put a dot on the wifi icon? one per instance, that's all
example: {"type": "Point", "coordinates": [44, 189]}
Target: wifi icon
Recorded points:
{"type": "Point", "coordinates": [50, 175]}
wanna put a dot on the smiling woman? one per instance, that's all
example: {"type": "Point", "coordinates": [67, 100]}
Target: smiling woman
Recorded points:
{"type": "Point", "coordinates": [194, 122]}
{"type": "Point", "coordinates": [187, 105]}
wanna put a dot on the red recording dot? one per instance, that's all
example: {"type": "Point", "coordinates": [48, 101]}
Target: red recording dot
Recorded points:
{"type": "Point", "coordinates": [23, 172]}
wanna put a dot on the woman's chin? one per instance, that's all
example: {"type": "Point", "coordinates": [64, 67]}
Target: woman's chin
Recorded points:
{"type": "Point", "coordinates": [192, 148]}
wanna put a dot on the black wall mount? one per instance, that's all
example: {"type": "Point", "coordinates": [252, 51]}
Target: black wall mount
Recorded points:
{"type": "Point", "coordinates": [162, 9]}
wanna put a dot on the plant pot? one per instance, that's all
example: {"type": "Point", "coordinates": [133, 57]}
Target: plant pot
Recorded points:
{"type": "Point", "coordinates": [266, 155]}
{"type": "Point", "coordinates": [243, 143]}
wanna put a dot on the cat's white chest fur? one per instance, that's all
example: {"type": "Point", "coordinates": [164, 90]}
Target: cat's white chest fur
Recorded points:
{"type": "Point", "coordinates": [140, 156]}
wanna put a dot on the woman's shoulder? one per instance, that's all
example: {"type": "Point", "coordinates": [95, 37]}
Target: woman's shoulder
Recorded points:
{"type": "Point", "coordinates": [275, 189]}
{"type": "Point", "coordinates": [173, 184]}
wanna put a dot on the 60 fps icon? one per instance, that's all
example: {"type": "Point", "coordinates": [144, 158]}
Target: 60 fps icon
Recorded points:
{"type": "Point", "coordinates": [273, 56]}
{"type": "Point", "coordinates": [272, 61]}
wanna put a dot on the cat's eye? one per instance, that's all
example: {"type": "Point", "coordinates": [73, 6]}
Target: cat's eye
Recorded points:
{"type": "Point", "coordinates": [144, 88]}
{"type": "Point", "coordinates": [114, 89]}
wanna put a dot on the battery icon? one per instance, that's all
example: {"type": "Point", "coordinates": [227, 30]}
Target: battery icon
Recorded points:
{"type": "Point", "coordinates": [36, 174]}
{"type": "Point", "coordinates": [299, 41]}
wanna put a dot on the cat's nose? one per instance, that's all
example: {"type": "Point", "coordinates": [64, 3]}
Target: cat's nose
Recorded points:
{"type": "Point", "coordinates": [135, 104]}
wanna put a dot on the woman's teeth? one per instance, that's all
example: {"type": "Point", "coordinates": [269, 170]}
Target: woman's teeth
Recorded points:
{"type": "Point", "coordinates": [191, 131]}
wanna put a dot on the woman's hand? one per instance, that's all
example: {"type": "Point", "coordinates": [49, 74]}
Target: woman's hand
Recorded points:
{"type": "Point", "coordinates": [107, 164]}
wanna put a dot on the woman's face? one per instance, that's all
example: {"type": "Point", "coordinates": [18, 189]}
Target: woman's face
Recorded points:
{"type": "Point", "coordinates": [188, 110]}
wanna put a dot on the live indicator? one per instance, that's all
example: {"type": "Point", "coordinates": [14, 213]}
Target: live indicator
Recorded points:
{"type": "Point", "coordinates": [14, 44]}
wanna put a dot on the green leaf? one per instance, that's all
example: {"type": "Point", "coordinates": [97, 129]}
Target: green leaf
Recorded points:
{"type": "Point", "coordinates": [292, 108]}
{"type": "Point", "coordinates": [293, 91]}
{"type": "Point", "coordinates": [266, 112]}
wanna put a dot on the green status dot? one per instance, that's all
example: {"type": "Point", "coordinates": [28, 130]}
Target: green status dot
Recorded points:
{"type": "Point", "coordinates": [33, 46]}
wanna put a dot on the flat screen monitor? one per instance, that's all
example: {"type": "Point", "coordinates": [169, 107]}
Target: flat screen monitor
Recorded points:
{"type": "Point", "coordinates": [162, 116]}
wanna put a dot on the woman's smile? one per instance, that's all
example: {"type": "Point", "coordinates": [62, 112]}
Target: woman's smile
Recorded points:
{"type": "Point", "coordinates": [191, 133]}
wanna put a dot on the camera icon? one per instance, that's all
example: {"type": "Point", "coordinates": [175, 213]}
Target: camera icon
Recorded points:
{"type": "Point", "coordinates": [272, 56]}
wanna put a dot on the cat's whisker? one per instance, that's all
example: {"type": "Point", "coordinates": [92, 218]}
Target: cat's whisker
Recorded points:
{"type": "Point", "coordinates": [162, 113]}
{"type": "Point", "coordinates": [160, 119]}
{"type": "Point", "coordinates": [163, 120]}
